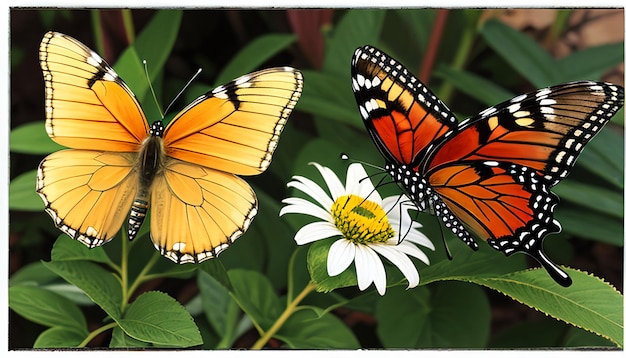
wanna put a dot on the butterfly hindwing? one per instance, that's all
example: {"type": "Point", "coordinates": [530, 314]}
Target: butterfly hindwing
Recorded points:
{"type": "Point", "coordinates": [235, 127]}
{"type": "Point", "coordinates": [88, 193]}
{"type": "Point", "coordinates": [87, 105]}
{"type": "Point", "coordinates": [197, 212]}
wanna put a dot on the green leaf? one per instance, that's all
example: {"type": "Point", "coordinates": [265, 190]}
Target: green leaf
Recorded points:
{"type": "Point", "coordinates": [256, 297]}
{"type": "Point", "coordinates": [591, 63]}
{"type": "Point", "coordinates": [522, 53]}
{"type": "Point", "coordinates": [254, 54]}
{"type": "Point", "coordinates": [97, 283]}
{"type": "Point", "coordinates": [451, 315]}
{"type": "Point", "coordinates": [22, 194]}
{"type": "Point", "coordinates": [68, 249]}
{"type": "Point", "coordinates": [543, 333]}
{"type": "Point", "coordinates": [589, 302]}
{"type": "Point", "coordinates": [216, 269]}
{"type": "Point", "coordinates": [34, 274]}
{"type": "Point", "coordinates": [604, 155]}
{"type": "Point", "coordinates": [31, 138]}
{"type": "Point", "coordinates": [119, 339]}
{"type": "Point", "coordinates": [356, 28]}
{"type": "Point", "coordinates": [157, 318]}
{"type": "Point", "coordinates": [591, 224]}
{"type": "Point", "coordinates": [316, 262]}
{"type": "Point", "coordinates": [46, 308]}
{"type": "Point", "coordinates": [593, 197]}
{"type": "Point", "coordinates": [59, 337]}
{"type": "Point", "coordinates": [306, 330]}
{"type": "Point", "coordinates": [467, 263]}
{"type": "Point", "coordinates": [219, 308]}
{"type": "Point", "coordinates": [479, 88]}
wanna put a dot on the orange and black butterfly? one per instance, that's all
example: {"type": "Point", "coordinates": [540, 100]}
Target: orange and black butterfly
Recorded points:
{"type": "Point", "coordinates": [186, 173]}
{"type": "Point", "coordinates": [491, 174]}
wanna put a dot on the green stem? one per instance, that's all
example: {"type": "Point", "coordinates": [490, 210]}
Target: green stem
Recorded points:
{"type": "Point", "coordinates": [129, 27]}
{"type": "Point", "coordinates": [95, 333]}
{"type": "Point", "coordinates": [289, 310]}
{"type": "Point", "coordinates": [124, 269]}
{"type": "Point", "coordinates": [143, 276]}
{"type": "Point", "coordinates": [462, 54]}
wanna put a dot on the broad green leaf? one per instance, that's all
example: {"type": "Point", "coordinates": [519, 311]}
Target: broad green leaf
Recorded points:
{"type": "Point", "coordinates": [22, 194]}
{"type": "Point", "coordinates": [420, 24]}
{"type": "Point", "coordinates": [479, 88]}
{"type": "Point", "coordinates": [59, 337]}
{"type": "Point", "coordinates": [219, 308]}
{"type": "Point", "coordinates": [578, 337]}
{"type": "Point", "coordinates": [591, 224]}
{"type": "Point", "coordinates": [34, 274]}
{"type": "Point", "coordinates": [256, 297]}
{"type": "Point", "coordinates": [467, 263]}
{"type": "Point", "coordinates": [316, 263]}
{"type": "Point", "coordinates": [522, 53]}
{"type": "Point", "coordinates": [327, 96]}
{"type": "Point", "coordinates": [31, 138]}
{"type": "Point", "coordinates": [604, 155]}
{"type": "Point", "coordinates": [100, 285]}
{"type": "Point", "coordinates": [591, 63]}
{"type": "Point", "coordinates": [67, 249]}
{"type": "Point", "coordinates": [46, 308]}
{"type": "Point", "coordinates": [119, 339]}
{"type": "Point", "coordinates": [597, 198]}
{"type": "Point", "coordinates": [253, 55]}
{"type": "Point", "coordinates": [159, 319]}
{"type": "Point", "coordinates": [356, 28]}
{"type": "Point", "coordinates": [446, 315]}
{"type": "Point", "coordinates": [589, 302]}
{"type": "Point", "coordinates": [216, 269]}
{"type": "Point", "coordinates": [306, 330]}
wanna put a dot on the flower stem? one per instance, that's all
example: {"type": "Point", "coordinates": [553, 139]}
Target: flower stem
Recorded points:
{"type": "Point", "coordinates": [95, 333]}
{"type": "Point", "coordinates": [289, 310]}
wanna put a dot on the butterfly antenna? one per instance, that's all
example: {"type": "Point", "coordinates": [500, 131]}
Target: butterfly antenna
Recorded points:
{"type": "Point", "coordinates": [183, 90]}
{"type": "Point", "coordinates": [145, 69]}
{"type": "Point", "coordinates": [344, 156]}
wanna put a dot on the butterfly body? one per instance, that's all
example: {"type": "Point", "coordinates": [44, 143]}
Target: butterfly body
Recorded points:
{"type": "Point", "coordinates": [185, 174]}
{"type": "Point", "coordinates": [488, 176]}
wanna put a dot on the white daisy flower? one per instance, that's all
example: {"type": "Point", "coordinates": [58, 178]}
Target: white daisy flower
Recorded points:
{"type": "Point", "coordinates": [366, 226]}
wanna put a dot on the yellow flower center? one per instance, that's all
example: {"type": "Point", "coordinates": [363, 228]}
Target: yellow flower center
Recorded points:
{"type": "Point", "coordinates": [360, 220]}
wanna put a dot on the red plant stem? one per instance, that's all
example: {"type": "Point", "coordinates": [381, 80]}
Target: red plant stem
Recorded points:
{"type": "Point", "coordinates": [433, 45]}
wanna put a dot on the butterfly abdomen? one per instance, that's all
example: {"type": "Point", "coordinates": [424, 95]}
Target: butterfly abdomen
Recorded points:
{"type": "Point", "coordinates": [150, 164]}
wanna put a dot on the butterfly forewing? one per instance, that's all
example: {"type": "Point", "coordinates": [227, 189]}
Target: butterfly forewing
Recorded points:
{"type": "Point", "coordinates": [235, 128]}
{"type": "Point", "coordinates": [402, 115]}
{"type": "Point", "coordinates": [545, 130]}
{"type": "Point", "coordinates": [87, 105]}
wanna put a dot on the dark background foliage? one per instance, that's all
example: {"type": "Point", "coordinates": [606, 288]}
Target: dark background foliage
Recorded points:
{"type": "Point", "coordinates": [209, 39]}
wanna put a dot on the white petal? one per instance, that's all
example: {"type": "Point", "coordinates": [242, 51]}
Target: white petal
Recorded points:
{"type": "Point", "coordinates": [315, 231]}
{"type": "Point", "coordinates": [401, 261]}
{"type": "Point", "coordinates": [332, 181]}
{"type": "Point", "coordinates": [301, 206]}
{"type": "Point", "coordinates": [412, 250]}
{"type": "Point", "coordinates": [340, 256]}
{"type": "Point", "coordinates": [313, 190]}
{"type": "Point", "coordinates": [419, 238]}
{"type": "Point", "coordinates": [369, 268]}
{"type": "Point", "coordinates": [359, 183]}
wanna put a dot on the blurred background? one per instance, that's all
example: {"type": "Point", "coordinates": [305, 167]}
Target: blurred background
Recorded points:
{"type": "Point", "coordinates": [471, 59]}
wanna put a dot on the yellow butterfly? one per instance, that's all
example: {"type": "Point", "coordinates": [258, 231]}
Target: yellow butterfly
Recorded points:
{"type": "Point", "coordinates": [186, 172]}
